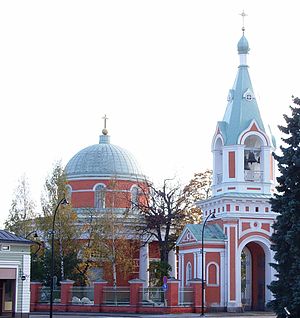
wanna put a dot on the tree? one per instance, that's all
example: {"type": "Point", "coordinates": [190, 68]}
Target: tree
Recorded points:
{"type": "Point", "coordinates": [199, 188]}
{"type": "Point", "coordinates": [66, 230]}
{"type": "Point", "coordinates": [286, 237]}
{"type": "Point", "coordinates": [22, 210]}
{"type": "Point", "coordinates": [108, 242]}
{"type": "Point", "coordinates": [163, 211]}
{"type": "Point", "coordinates": [112, 245]}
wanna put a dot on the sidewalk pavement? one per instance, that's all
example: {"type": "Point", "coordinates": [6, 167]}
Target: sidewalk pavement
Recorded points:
{"type": "Point", "coordinates": [120, 315]}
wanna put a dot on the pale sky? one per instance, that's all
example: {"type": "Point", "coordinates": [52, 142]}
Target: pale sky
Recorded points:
{"type": "Point", "coordinates": [160, 70]}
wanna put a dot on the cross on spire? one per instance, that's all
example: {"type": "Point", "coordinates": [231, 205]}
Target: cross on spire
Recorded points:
{"type": "Point", "coordinates": [105, 119]}
{"type": "Point", "coordinates": [243, 14]}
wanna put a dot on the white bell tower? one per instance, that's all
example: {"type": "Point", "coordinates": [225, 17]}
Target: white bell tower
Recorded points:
{"type": "Point", "coordinates": [242, 148]}
{"type": "Point", "coordinates": [243, 182]}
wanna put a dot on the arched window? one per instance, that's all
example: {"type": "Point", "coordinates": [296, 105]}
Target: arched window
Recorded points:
{"type": "Point", "coordinates": [100, 191]}
{"type": "Point", "coordinates": [68, 193]}
{"type": "Point", "coordinates": [212, 274]}
{"type": "Point", "coordinates": [252, 158]}
{"type": "Point", "coordinates": [218, 168]}
{"type": "Point", "coordinates": [188, 275]}
{"type": "Point", "coordinates": [135, 193]}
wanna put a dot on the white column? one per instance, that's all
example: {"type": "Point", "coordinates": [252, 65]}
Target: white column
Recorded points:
{"type": "Point", "coordinates": [144, 263]}
{"type": "Point", "coordinates": [222, 278]}
{"type": "Point", "coordinates": [195, 265]}
{"type": "Point", "coordinates": [239, 163]}
{"type": "Point", "coordinates": [225, 165]}
{"type": "Point", "coordinates": [181, 269]}
{"type": "Point", "coordinates": [172, 262]}
{"type": "Point", "coordinates": [266, 162]}
{"type": "Point", "coordinates": [198, 265]}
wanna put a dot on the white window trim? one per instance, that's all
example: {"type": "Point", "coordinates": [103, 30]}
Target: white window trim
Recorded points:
{"type": "Point", "coordinates": [188, 273]}
{"type": "Point", "coordinates": [217, 274]}
{"type": "Point", "coordinates": [5, 245]}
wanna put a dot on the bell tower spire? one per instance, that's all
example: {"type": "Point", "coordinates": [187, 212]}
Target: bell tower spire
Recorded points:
{"type": "Point", "coordinates": [241, 146]}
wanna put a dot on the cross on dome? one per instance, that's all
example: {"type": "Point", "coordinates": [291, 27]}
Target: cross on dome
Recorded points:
{"type": "Point", "coordinates": [104, 130]}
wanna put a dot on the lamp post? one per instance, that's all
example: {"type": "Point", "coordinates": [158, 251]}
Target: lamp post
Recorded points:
{"type": "Point", "coordinates": [212, 215]}
{"type": "Point", "coordinates": [61, 202]}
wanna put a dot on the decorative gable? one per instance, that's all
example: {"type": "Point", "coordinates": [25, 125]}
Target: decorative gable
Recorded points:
{"type": "Point", "coordinates": [187, 237]}
{"type": "Point", "coordinates": [249, 95]}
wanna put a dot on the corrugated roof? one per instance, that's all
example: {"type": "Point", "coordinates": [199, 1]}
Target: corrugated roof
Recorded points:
{"type": "Point", "coordinates": [211, 232]}
{"type": "Point", "coordinates": [12, 238]}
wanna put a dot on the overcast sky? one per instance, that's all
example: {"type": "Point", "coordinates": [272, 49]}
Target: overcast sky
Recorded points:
{"type": "Point", "coordinates": [160, 70]}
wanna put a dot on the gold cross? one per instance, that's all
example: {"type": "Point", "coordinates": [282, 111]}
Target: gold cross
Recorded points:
{"type": "Point", "coordinates": [105, 119]}
{"type": "Point", "coordinates": [243, 14]}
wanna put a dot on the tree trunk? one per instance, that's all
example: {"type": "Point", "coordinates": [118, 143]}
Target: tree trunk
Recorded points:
{"type": "Point", "coordinates": [164, 253]}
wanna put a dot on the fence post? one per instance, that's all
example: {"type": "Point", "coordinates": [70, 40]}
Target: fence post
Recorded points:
{"type": "Point", "coordinates": [135, 286]}
{"type": "Point", "coordinates": [34, 294]}
{"type": "Point", "coordinates": [65, 293]}
{"type": "Point", "coordinates": [196, 284]}
{"type": "Point", "coordinates": [99, 292]}
{"type": "Point", "coordinates": [172, 292]}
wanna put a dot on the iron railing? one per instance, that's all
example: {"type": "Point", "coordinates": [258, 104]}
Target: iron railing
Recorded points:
{"type": "Point", "coordinates": [153, 296]}
{"type": "Point", "coordinates": [82, 295]}
{"type": "Point", "coordinates": [116, 296]}
{"type": "Point", "coordinates": [44, 295]}
{"type": "Point", "coordinates": [186, 296]}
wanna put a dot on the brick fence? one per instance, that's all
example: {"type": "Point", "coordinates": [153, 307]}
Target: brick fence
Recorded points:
{"type": "Point", "coordinates": [171, 300]}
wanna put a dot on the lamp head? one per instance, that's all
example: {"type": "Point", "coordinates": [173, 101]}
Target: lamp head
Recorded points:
{"type": "Point", "coordinates": [64, 201]}
{"type": "Point", "coordinates": [35, 235]}
{"type": "Point", "coordinates": [213, 215]}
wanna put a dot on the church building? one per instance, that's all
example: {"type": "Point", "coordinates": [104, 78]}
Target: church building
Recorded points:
{"type": "Point", "coordinates": [105, 177]}
{"type": "Point", "coordinates": [231, 249]}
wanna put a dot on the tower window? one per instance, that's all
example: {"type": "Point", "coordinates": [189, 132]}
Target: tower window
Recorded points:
{"type": "Point", "coordinates": [68, 192]}
{"type": "Point", "coordinates": [100, 192]}
{"type": "Point", "coordinates": [256, 209]}
{"type": "Point", "coordinates": [135, 193]}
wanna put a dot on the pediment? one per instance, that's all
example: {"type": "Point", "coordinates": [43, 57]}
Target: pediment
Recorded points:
{"type": "Point", "coordinates": [187, 237]}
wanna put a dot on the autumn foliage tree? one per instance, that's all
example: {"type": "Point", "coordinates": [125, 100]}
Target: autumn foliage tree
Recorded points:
{"type": "Point", "coordinates": [22, 210]}
{"type": "Point", "coordinates": [66, 230]}
{"type": "Point", "coordinates": [199, 188]}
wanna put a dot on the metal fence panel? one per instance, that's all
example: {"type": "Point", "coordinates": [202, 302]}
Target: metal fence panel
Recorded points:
{"type": "Point", "coordinates": [82, 295]}
{"type": "Point", "coordinates": [116, 296]}
{"type": "Point", "coordinates": [153, 296]}
{"type": "Point", "coordinates": [186, 296]}
{"type": "Point", "coordinates": [44, 295]}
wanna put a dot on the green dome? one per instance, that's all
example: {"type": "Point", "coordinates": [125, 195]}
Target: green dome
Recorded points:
{"type": "Point", "coordinates": [243, 46]}
{"type": "Point", "coordinates": [103, 160]}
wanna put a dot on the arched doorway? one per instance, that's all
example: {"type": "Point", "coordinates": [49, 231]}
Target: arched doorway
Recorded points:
{"type": "Point", "coordinates": [253, 276]}
{"type": "Point", "coordinates": [258, 249]}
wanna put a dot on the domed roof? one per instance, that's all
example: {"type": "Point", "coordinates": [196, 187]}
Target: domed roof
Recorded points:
{"type": "Point", "coordinates": [103, 160]}
{"type": "Point", "coordinates": [243, 45]}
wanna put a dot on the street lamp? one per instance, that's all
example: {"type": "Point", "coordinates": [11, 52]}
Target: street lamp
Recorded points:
{"type": "Point", "coordinates": [35, 235]}
{"type": "Point", "coordinates": [212, 215]}
{"type": "Point", "coordinates": [61, 202]}
{"type": "Point", "coordinates": [34, 232]}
